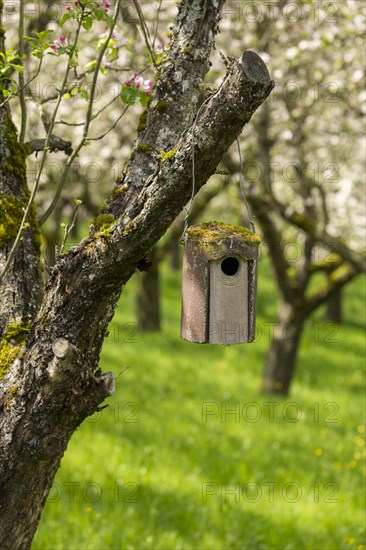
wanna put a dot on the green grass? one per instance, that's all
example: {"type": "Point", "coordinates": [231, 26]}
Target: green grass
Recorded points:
{"type": "Point", "coordinates": [153, 445]}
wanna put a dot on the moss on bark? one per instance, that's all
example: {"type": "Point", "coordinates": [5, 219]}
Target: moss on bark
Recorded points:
{"type": "Point", "coordinates": [11, 345]}
{"type": "Point", "coordinates": [11, 214]}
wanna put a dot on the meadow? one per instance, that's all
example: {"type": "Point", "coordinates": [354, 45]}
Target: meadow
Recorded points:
{"type": "Point", "coordinates": [190, 455]}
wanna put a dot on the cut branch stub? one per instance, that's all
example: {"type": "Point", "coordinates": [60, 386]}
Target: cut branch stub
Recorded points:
{"type": "Point", "coordinates": [254, 67]}
{"type": "Point", "coordinates": [61, 348]}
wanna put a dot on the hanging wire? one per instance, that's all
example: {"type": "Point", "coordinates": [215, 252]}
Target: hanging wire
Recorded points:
{"type": "Point", "coordinates": [241, 180]}
{"type": "Point", "coordinates": [189, 206]}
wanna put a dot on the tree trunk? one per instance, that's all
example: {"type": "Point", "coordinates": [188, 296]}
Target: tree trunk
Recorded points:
{"type": "Point", "coordinates": [175, 260]}
{"type": "Point", "coordinates": [148, 297]}
{"type": "Point", "coordinates": [333, 311]}
{"type": "Point", "coordinates": [282, 355]}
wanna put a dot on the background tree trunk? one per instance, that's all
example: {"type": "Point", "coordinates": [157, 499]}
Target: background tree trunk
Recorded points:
{"type": "Point", "coordinates": [148, 297]}
{"type": "Point", "coordinates": [282, 355]}
{"type": "Point", "coordinates": [175, 258]}
{"type": "Point", "coordinates": [333, 312]}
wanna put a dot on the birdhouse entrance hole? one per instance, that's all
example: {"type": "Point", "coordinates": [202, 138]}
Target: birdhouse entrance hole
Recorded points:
{"type": "Point", "coordinates": [230, 266]}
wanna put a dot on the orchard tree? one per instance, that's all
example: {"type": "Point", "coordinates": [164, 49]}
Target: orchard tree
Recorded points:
{"type": "Point", "coordinates": [52, 334]}
{"type": "Point", "coordinates": [305, 170]}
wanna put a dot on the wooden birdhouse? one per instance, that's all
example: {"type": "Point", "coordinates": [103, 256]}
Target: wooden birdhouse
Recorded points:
{"type": "Point", "coordinates": [219, 284]}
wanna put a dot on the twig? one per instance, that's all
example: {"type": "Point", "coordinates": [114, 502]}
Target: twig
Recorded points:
{"type": "Point", "coordinates": [88, 119]}
{"type": "Point", "coordinates": [23, 106]}
{"type": "Point", "coordinates": [69, 123]}
{"type": "Point", "coordinates": [111, 128]}
{"type": "Point", "coordinates": [24, 86]}
{"type": "Point", "coordinates": [68, 228]}
{"type": "Point", "coordinates": [145, 32]}
{"type": "Point", "coordinates": [42, 163]}
{"type": "Point", "coordinates": [122, 371]}
{"type": "Point", "coordinates": [157, 24]}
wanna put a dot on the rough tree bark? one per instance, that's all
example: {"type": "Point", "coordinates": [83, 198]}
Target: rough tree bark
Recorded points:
{"type": "Point", "coordinates": [21, 291]}
{"type": "Point", "coordinates": [53, 383]}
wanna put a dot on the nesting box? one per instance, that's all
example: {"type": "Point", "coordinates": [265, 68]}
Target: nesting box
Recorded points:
{"type": "Point", "coordinates": [219, 284]}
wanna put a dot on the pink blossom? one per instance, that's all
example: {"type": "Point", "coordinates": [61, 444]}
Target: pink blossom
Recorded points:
{"type": "Point", "coordinates": [106, 34]}
{"type": "Point", "coordinates": [60, 43]}
{"type": "Point", "coordinates": [121, 42]}
{"type": "Point", "coordinates": [128, 83]}
{"type": "Point", "coordinates": [144, 85]}
{"type": "Point", "coordinates": [147, 86]}
{"type": "Point", "coordinates": [67, 8]}
{"type": "Point", "coordinates": [139, 81]}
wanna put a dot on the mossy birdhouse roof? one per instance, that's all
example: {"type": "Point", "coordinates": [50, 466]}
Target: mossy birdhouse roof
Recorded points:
{"type": "Point", "coordinates": [215, 240]}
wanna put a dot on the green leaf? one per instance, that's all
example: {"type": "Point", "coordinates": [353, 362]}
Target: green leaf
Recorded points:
{"type": "Point", "coordinates": [87, 23]}
{"type": "Point", "coordinates": [90, 66]}
{"type": "Point", "coordinates": [18, 68]}
{"type": "Point", "coordinates": [84, 94]}
{"type": "Point", "coordinates": [144, 98]}
{"type": "Point", "coordinates": [64, 18]}
{"type": "Point", "coordinates": [73, 63]}
{"type": "Point", "coordinates": [45, 35]}
{"type": "Point", "coordinates": [130, 95]}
